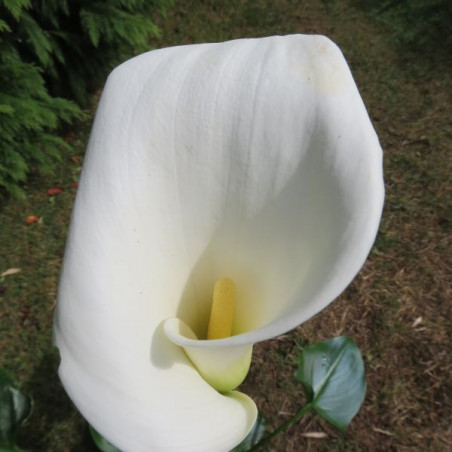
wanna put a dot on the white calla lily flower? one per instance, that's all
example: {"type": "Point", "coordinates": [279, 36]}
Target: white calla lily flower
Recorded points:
{"type": "Point", "coordinates": [252, 159]}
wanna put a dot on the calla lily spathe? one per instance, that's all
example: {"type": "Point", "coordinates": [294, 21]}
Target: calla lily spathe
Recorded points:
{"type": "Point", "coordinates": [253, 159]}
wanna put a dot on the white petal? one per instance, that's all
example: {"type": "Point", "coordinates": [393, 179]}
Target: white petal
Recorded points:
{"type": "Point", "coordinates": [251, 159]}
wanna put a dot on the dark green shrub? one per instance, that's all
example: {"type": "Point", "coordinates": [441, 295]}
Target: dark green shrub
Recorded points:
{"type": "Point", "coordinates": [29, 117]}
{"type": "Point", "coordinates": [80, 41]}
{"type": "Point", "coordinates": [52, 51]}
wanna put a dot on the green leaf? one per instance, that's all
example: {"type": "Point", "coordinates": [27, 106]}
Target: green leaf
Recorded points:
{"type": "Point", "coordinates": [38, 38]}
{"type": "Point", "coordinates": [14, 410]}
{"type": "Point", "coordinates": [332, 373]}
{"type": "Point", "coordinates": [253, 437]}
{"type": "Point", "coordinates": [6, 110]}
{"type": "Point", "coordinates": [15, 7]}
{"type": "Point", "coordinates": [101, 443]}
{"type": "Point", "coordinates": [4, 26]}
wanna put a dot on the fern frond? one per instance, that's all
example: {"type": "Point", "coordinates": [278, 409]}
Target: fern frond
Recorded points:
{"type": "Point", "coordinates": [15, 7]}
{"type": "Point", "coordinates": [4, 26]}
{"type": "Point", "coordinates": [37, 38]}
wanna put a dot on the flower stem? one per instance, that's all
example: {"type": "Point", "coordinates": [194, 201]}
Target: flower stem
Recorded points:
{"type": "Point", "coordinates": [283, 427]}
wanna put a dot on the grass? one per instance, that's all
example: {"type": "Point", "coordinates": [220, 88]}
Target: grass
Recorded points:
{"type": "Point", "coordinates": [397, 309]}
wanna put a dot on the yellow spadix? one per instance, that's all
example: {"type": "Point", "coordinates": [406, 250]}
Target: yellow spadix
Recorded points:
{"type": "Point", "coordinates": [223, 367]}
{"type": "Point", "coordinates": [222, 314]}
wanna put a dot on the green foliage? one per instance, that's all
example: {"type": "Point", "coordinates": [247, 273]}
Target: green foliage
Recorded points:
{"type": "Point", "coordinates": [332, 373]}
{"type": "Point", "coordinates": [14, 410]}
{"type": "Point", "coordinates": [52, 51]}
{"type": "Point", "coordinates": [80, 42]}
{"type": "Point", "coordinates": [29, 117]}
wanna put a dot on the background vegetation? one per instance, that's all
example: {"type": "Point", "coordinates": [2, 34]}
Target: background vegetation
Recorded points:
{"type": "Point", "coordinates": [397, 309]}
{"type": "Point", "coordinates": [53, 53]}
